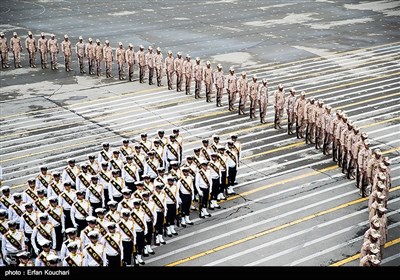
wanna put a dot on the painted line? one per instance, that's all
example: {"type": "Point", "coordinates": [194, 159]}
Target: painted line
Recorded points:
{"type": "Point", "coordinates": [357, 256]}
{"type": "Point", "coordinates": [271, 230]}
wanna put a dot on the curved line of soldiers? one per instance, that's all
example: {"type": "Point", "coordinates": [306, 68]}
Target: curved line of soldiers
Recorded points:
{"type": "Point", "coordinates": [115, 205]}
{"type": "Point", "coordinates": [311, 119]}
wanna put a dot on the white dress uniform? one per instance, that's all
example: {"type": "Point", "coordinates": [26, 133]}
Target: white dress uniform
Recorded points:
{"type": "Point", "coordinates": [95, 195]}
{"type": "Point", "coordinates": [41, 259]}
{"type": "Point", "coordinates": [29, 195]}
{"type": "Point", "coordinates": [125, 151]}
{"type": "Point", "coordinates": [109, 249]}
{"type": "Point", "coordinates": [70, 174]}
{"type": "Point", "coordinates": [104, 156]}
{"type": "Point", "coordinates": [75, 214]}
{"type": "Point", "coordinates": [7, 246]}
{"type": "Point", "coordinates": [43, 181]}
{"type": "Point", "coordinates": [74, 258]}
{"type": "Point", "coordinates": [113, 216]}
{"type": "Point", "coordinates": [41, 205]}
{"type": "Point", "coordinates": [125, 204]}
{"type": "Point", "coordinates": [138, 160]}
{"type": "Point", "coordinates": [5, 202]}
{"type": "Point", "coordinates": [64, 249]}
{"type": "Point", "coordinates": [93, 166]}
{"type": "Point", "coordinates": [146, 145]}
{"type": "Point", "coordinates": [41, 233]}
{"type": "Point", "coordinates": [116, 163]}
{"type": "Point", "coordinates": [113, 192]}
{"type": "Point", "coordinates": [83, 181]}
{"type": "Point", "coordinates": [150, 168]}
{"type": "Point", "coordinates": [55, 188]}
{"type": "Point", "coordinates": [16, 211]}
{"type": "Point", "coordinates": [99, 250]}
{"type": "Point", "coordinates": [128, 170]}
{"type": "Point", "coordinates": [84, 234]}
{"type": "Point", "coordinates": [28, 222]}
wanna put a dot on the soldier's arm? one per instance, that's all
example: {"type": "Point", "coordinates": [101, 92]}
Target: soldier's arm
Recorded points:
{"type": "Point", "coordinates": [62, 221]}
{"type": "Point", "coordinates": [53, 237]}
{"type": "Point", "coordinates": [72, 214]}
{"type": "Point", "coordinates": [33, 241]}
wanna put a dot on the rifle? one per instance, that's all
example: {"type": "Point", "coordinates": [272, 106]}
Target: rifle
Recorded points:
{"type": "Point", "coordinates": [134, 253]}
{"type": "Point", "coordinates": [316, 138]}
{"type": "Point", "coordinates": [307, 127]}
{"type": "Point", "coordinates": [200, 204]}
{"type": "Point", "coordinates": [179, 216]}
{"type": "Point", "coordinates": [297, 127]}
{"type": "Point", "coordinates": [276, 117]}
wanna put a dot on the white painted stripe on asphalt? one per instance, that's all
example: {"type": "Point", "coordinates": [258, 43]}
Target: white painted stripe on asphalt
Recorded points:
{"type": "Point", "coordinates": [391, 258]}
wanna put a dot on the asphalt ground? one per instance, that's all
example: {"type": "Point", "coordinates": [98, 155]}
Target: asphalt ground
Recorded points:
{"type": "Point", "coordinates": [293, 207]}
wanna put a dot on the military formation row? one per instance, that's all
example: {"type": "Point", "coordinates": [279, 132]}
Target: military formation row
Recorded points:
{"type": "Point", "coordinates": [111, 209]}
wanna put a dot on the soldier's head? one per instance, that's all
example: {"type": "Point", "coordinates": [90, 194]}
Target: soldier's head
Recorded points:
{"type": "Point", "coordinates": [12, 225]}
{"type": "Point", "coordinates": [381, 210]}
{"type": "Point", "coordinates": [29, 207]}
{"type": "Point", "coordinates": [198, 60]}
{"type": "Point", "coordinates": [92, 221]}
{"type": "Point", "coordinates": [221, 150]}
{"type": "Point", "coordinates": [42, 35]}
{"type": "Point", "coordinates": [94, 179]}
{"type": "Point", "coordinates": [151, 154]}
{"type": "Point", "coordinates": [214, 156]}
{"type": "Point", "coordinates": [72, 247]}
{"type": "Point", "coordinates": [367, 143]}
{"type": "Point", "coordinates": [90, 40]}
{"type": "Point", "coordinates": [67, 185]}
{"type": "Point", "coordinates": [15, 34]}
{"type": "Point", "coordinates": [91, 158]}
{"type": "Point", "coordinates": [208, 64]}
{"type": "Point", "coordinates": [137, 202]}
{"type": "Point", "coordinates": [125, 214]}
{"type": "Point", "coordinates": [160, 171]}
{"type": "Point", "coordinates": [280, 87]}
{"type": "Point", "coordinates": [303, 95]}
{"type": "Point", "coordinates": [264, 81]}
{"type": "Point", "coordinates": [196, 151]}
{"type": "Point", "coordinates": [71, 162]}
{"type": "Point", "coordinates": [143, 136]}
{"type": "Point", "coordinates": [159, 187]}
{"type": "Point", "coordinates": [312, 100]}
{"type": "Point", "coordinates": [41, 193]}
{"type": "Point", "coordinates": [185, 171]}
{"type": "Point", "coordinates": [204, 164]}
{"type": "Point", "coordinates": [140, 184]}
{"type": "Point", "coordinates": [56, 175]}
{"type": "Point", "coordinates": [130, 46]}
{"type": "Point", "coordinates": [116, 154]}
{"type": "Point", "coordinates": [43, 218]}
{"type": "Point", "coordinates": [84, 167]}
{"type": "Point", "coordinates": [172, 138]}
{"type": "Point", "coordinates": [292, 91]}
{"type": "Point", "coordinates": [138, 148]}
{"type": "Point", "coordinates": [100, 212]}
{"type": "Point", "coordinates": [104, 166]}
{"type": "Point", "coordinates": [234, 137]}
{"type": "Point", "coordinates": [126, 193]}
{"type": "Point", "coordinates": [158, 50]}
{"type": "Point", "coordinates": [176, 131]}
{"type": "Point", "coordinates": [45, 244]}
{"type": "Point", "coordinates": [146, 195]}
{"type": "Point", "coordinates": [187, 57]}
{"type": "Point", "coordinates": [30, 34]}
{"type": "Point", "coordinates": [231, 70]}
{"type": "Point", "coordinates": [98, 42]}
{"type": "Point", "coordinates": [170, 180]}
{"type": "Point", "coordinates": [141, 47]}
{"type": "Point", "coordinates": [53, 200]}
{"type": "Point", "coordinates": [350, 125]}
{"type": "Point", "coordinates": [174, 164]}
{"type": "Point", "coordinates": [215, 138]}
{"type": "Point", "coordinates": [373, 249]}
{"type": "Point", "coordinates": [5, 190]}
{"type": "Point", "coordinates": [179, 54]}
{"type": "Point", "coordinates": [23, 257]}
{"type": "Point", "coordinates": [106, 146]}
{"type": "Point", "coordinates": [170, 53]}
{"type": "Point", "coordinates": [53, 260]}
{"type": "Point", "coordinates": [374, 235]}
{"type": "Point", "coordinates": [112, 204]}
{"type": "Point", "coordinates": [328, 109]}
{"type": "Point", "coordinates": [156, 143]}
{"type": "Point", "coordinates": [43, 169]}
{"type": "Point", "coordinates": [93, 236]}
{"type": "Point", "coordinates": [219, 67]}
{"type": "Point", "coordinates": [125, 142]}
{"type": "Point", "coordinates": [80, 39]}
{"type": "Point", "coordinates": [3, 214]}
{"type": "Point", "coordinates": [254, 78]}
{"type": "Point", "coordinates": [53, 36]}
{"type": "Point", "coordinates": [111, 227]}
{"type": "Point", "coordinates": [128, 159]}
{"type": "Point", "coordinates": [32, 183]}
{"type": "Point", "coordinates": [205, 142]}
{"type": "Point", "coordinates": [71, 233]}
{"type": "Point", "coordinates": [115, 173]}
{"type": "Point", "coordinates": [230, 144]}
{"type": "Point", "coordinates": [189, 159]}
{"type": "Point", "coordinates": [120, 45]}
{"type": "Point", "coordinates": [66, 37]}
{"type": "Point", "coordinates": [375, 224]}
{"type": "Point", "coordinates": [18, 196]}
{"type": "Point", "coordinates": [386, 161]}
{"type": "Point", "coordinates": [378, 153]}
{"type": "Point", "coordinates": [80, 195]}
{"type": "Point", "coordinates": [160, 133]}
{"type": "Point", "coordinates": [107, 43]}
{"type": "Point", "coordinates": [2, 34]}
